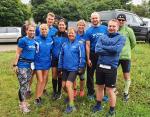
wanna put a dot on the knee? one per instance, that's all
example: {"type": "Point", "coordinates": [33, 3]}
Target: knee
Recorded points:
{"type": "Point", "coordinates": [40, 80]}
{"type": "Point", "coordinates": [69, 84]}
{"type": "Point", "coordinates": [110, 91]}
{"type": "Point", "coordinates": [127, 76]}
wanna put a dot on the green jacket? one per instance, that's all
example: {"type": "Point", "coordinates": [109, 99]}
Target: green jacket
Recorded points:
{"type": "Point", "coordinates": [129, 44]}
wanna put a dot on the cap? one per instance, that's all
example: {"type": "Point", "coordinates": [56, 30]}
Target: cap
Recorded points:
{"type": "Point", "coordinates": [121, 16]}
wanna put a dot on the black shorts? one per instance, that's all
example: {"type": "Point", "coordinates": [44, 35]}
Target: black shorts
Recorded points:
{"type": "Point", "coordinates": [126, 65]}
{"type": "Point", "coordinates": [69, 75]}
{"type": "Point", "coordinates": [54, 63]}
{"type": "Point", "coordinates": [106, 77]}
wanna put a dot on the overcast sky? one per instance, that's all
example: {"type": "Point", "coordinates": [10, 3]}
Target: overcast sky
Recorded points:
{"type": "Point", "coordinates": [25, 1]}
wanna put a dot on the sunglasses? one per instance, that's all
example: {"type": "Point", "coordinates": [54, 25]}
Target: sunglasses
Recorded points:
{"type": "Point", "coordinates": [121, 20]}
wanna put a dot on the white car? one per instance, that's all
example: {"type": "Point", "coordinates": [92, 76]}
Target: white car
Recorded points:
{"type": "Point", "coordinates": [9, 34]}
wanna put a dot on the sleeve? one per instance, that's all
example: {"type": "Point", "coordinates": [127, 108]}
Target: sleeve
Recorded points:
{"type": "Point", "coordinates": [132, 38]}
{"type": "Point", "coordinates": [60, 61]}
{"type": "Point", "coordinates": [99, 48]}
{"type": "Point", "coordinates": [37, 31]}
{"type": "Point", "coordinates": [87, 35]}
{"type": "Point", "coordinates": [82, 55]}
{"type": "Point", "coordinates": [21, 43]}
{"type": "Point", "coordinates": [117, 47]}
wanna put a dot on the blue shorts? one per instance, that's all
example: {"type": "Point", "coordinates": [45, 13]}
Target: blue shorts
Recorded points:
{"type": "Point", "coordinates": [42, 65]}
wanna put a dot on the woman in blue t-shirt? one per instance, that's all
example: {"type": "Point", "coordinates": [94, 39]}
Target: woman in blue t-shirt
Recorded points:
{"type": "Point", "coordinates": [58, 40]}
{"type": "Point", "coordinates": [80, 36]}
{"type": "Point", "coordinates": [42, 60]}
{"type": "Point", "coordinates": [24, 57]}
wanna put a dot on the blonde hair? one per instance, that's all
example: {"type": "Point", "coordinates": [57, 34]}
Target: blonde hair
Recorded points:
{"type": "Point", "coordinates": [29, 25]}
{"type": "Point", "coordinates": [71, 29]}
{"type": "Point", "coordinates": [51, 14]}
{"type": "Point", "coordinates": [114, 20]}
{"type": "Point", "coordinates": [43, 25]}
{"type": "Point", "coordinates": [95, 14]}
{"type": "Point", "coordinates": [81, 21]}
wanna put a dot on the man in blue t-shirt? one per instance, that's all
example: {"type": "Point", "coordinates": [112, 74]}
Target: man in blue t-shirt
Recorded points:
{"type": "Point", "coordinates": [50, 21]}
{"type": "Point", "coordinates": [92, 35]}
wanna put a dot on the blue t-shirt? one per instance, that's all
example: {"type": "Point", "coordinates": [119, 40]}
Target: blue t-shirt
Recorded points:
{"type": "Point", "coordinates": [43, 53]}
{"type": "Point", "coordinates": [52, 31]}
{"type": "Point", "coordinates": [93, 33]}
{"type": "Point", "coordinates": [81, 38]}
{"type": "Point", "coordinates": [28, 51]}
{"type": "Point", "coordinates": [57, 44]}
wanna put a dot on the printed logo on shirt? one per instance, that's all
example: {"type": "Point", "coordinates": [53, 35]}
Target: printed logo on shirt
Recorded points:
{"type": "Point", "coordinates": [97, 35]}
{"type": "Point", "coordinates": [32, 46]}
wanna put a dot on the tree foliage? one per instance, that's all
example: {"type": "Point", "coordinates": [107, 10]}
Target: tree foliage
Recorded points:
{"type": "Point", "coordinates": [13, 13]}
{"type": "Point", "coordinates": [71, 9]}
{"type": "Point", "coordinates": [143, 9]}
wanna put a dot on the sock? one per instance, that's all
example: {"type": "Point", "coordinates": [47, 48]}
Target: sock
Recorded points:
{"type": "Point", "coordinates": [59, 84]}
{"type": "Point", "coordinates": [71, 103]}
{"type": "Point", "coordinates": [98, 103]}
{"type": "Point", "coordinates": [112, 109]}
{"type": "Point", "coordinates": [127, 85]}
{"type": "Point", "coordinates": [54, 82]}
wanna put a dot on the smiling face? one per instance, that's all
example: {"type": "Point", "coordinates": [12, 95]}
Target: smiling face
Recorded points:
{"type": "Point", "coordinates": [30, 31]}
{"type": "Point", "coordinates": [44, 29]}
{"type": "Point", "coordinates": [113, 26]}
{"type": "Point", "coordinates": [81, 26]}
{"type": "Point", "coordinates": [95, 18]}
{"type": "Point", "coordinates": [50, 20]}
{"type": "Point", "coordinates": [121, 21]}
{"type": "Point", "coordinates": [61, 26]}
{"type": "Point", "coordinates": [71, 34]}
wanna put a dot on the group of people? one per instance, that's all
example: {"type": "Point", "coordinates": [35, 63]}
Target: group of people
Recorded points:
{"type": "Point", "coordinates": [102, 47]}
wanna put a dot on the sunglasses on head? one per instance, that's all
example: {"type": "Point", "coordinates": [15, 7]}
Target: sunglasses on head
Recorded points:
{"type": "Point", "coordinates": [121, 20]}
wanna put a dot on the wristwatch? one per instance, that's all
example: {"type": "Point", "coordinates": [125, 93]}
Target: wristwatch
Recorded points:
{"type": "Point", "coordinates": [14, 65]}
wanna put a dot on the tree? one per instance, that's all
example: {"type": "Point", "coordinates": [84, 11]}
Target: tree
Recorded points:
{"type": "Point", "coordinates": [142, 10]}
{"type": "Point", "coordinates": [13, 13]}
{"type": "Point", "coordinates": [71, 9]}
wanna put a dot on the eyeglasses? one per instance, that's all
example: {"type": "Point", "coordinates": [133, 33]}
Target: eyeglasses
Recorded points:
{"type": "Point", "coordinates": [121, 20]}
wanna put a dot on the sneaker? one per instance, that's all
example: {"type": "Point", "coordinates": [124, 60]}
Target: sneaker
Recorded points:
{"type": "Point", "coordinates": [66, 100]}
{"type": "Point", "coordinates": [28, 94]}
{"type": "Point", "coordinates": [70, 109]}
{"type": "Point", "coordinates": [125, 97]}
{"type": "Point", "coordinates": [54, 96]}
{"type": "Point", "coordinates": [91, 97]}
{"type": "Point", "coordinates": [96, 108]}
{"type": "Point", "coordinates": [38, 101]}
{"type": "Point", "coordinates": [24, 109]}
{"type": "Point", "coordinates": [45, 92]}
{"type": "Point", "coordinates": [111, 114]}
{"type": "Point", "coordinates": [81, 93]}
{"type": "Point", "coordinates": [75, 93]}
{"type": "Point", "coordinates": [58, 96]}
{"type": "Point", "coordinates": [105, 98]}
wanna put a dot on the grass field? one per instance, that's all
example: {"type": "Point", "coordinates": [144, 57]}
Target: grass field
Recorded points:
{"type": "Point", "coordinates": [137, 106]}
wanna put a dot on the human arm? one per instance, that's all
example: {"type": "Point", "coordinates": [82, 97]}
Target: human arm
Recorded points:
{"type": "Point", "coordinates": [117, 47]}
{"type": "Point", "coordinates": [132, 38]}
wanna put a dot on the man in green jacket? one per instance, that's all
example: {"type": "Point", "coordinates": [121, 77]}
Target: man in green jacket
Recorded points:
{"type": "Point", "coordinates": [125, 57]}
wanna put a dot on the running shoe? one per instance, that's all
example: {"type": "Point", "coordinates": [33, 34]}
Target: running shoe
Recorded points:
{"type": "Point", "coordinates": [111, 114]}
{"type": "Point", "coordinates": [96, 108]}
{"type": "Point", "coordinates": [125, 97]}
{"type": "Point", "coordinates": [70, 109]}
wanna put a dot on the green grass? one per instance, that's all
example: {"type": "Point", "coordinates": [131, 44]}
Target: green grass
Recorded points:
{"type": "Point", "coordinates": [137, 106]}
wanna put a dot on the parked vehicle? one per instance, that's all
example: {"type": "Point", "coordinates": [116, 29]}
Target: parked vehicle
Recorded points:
{"type": "Point", "coordinates": [9, 34]}
{"type": "Point", "coordinates": [133, 21]}
{"type": "Point", "coordinates": [147, 22]}
{"type": "Point", "coordinates": [74, 24]}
